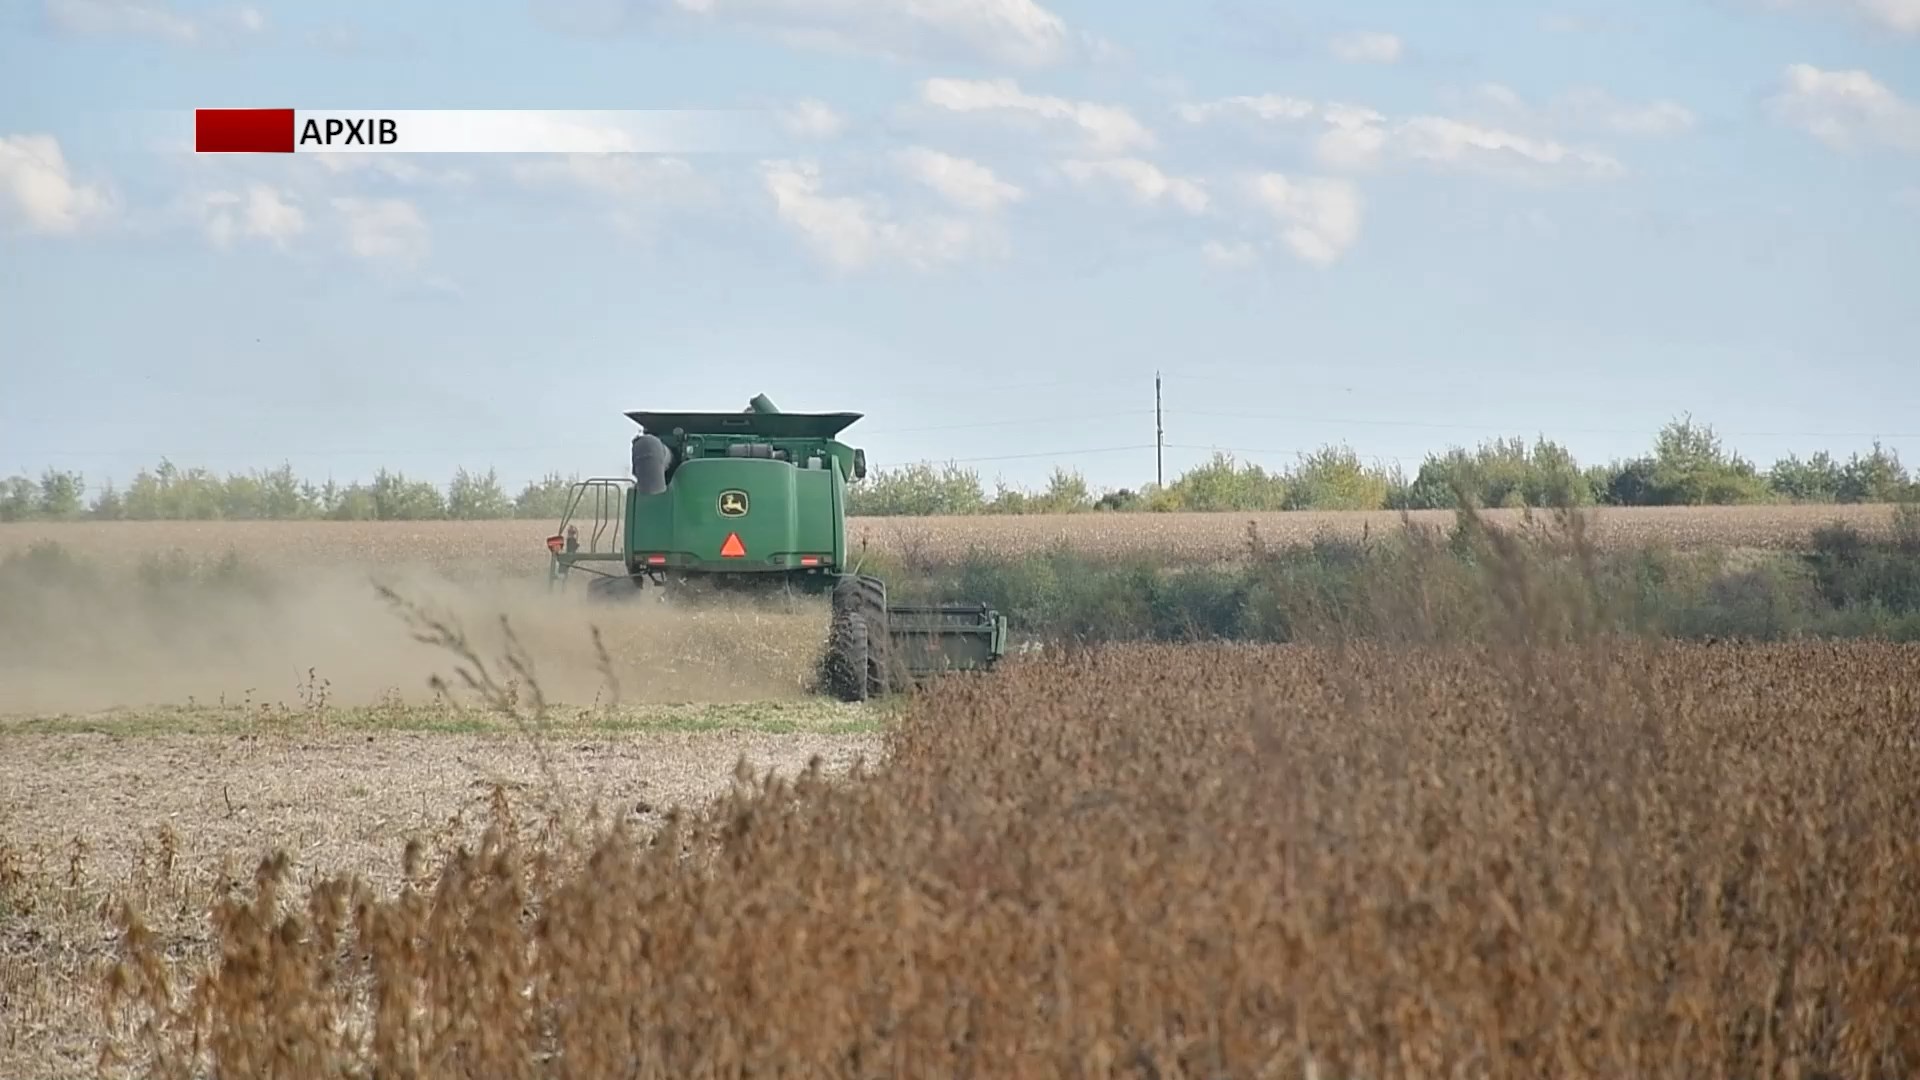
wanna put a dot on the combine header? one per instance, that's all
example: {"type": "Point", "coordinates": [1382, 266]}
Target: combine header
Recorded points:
{"type": "Point", "coordinates": [756, 500]}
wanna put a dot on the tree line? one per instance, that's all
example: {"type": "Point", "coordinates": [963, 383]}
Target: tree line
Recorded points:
{"type": "Point", "coordinates": [1688, 465]}
{"type": "Point", "coordinates": [171, 493]}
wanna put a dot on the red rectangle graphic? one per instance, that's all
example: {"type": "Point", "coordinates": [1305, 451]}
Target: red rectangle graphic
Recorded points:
{"type": "Point", "coordinates": [243, 131]}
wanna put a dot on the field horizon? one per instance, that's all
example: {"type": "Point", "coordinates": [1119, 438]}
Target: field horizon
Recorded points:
{"type": "Point", "coordinates": [518, 544]}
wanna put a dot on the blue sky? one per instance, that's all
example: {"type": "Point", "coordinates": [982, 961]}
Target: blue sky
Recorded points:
{"type": "Point", "coordinates": [986, 226]}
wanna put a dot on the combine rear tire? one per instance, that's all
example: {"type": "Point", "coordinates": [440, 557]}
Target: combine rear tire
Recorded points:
{"type": "Point", "coordinates": [857, 657]}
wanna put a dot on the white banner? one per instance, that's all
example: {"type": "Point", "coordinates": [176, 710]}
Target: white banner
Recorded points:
{"type": "Point", "coordinates": [529, 131]}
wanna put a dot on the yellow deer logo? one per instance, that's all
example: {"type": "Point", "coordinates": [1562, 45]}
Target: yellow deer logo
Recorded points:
{"type": "Point", "coordinates": [733, 504]}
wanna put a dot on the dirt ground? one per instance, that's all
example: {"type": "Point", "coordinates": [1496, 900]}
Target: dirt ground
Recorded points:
{"type": "Point", "coordinates": [87, 819]}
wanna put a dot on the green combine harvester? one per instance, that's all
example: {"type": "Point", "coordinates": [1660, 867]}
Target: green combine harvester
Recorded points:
{"type": "Point", "coordinates": [756, 500]}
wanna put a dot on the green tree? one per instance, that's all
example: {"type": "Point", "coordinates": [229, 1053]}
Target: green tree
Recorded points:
{"type": "Point", "coordinates": [241, 498]}
{"type": "Point", "coordinates": [544, 499]}
{"type": "Point", "coordinates": [1554, 478]}
{"type": "Point", "coordinates": [1877, 477]}
{"type": "Point", "coordinates": [355, 502]}
{"type": "Point", "coordinates": [1334, 478]}
{"type": "Point", "coordinates": [169, 494]}
{"type": "Point", "coordinates": [1631, 483]}
{"type": "Point", "coordinates": [1501, 473]}
{"type": "Point", "coordinates": [1815, 480]}
{"type": "Point", "coordinates": [61, 496]}
{"type": "Point", "coordinates": [917, 491]}
{"type": "Point", "coordinates": [1066, 493]}
{"type": "Point", "coordinates": [396, 498]}
{"type": "Point", "coordinates": [281, 496]}
{"type": "Point", "coordinates": [108, 505]}
{"type": "Point", "coordinates": [1222, 484]}
{"type": "Point", "coordinates": [19, 500]}
{"type": "Point", "coordinates": [1692, 468]}
{"type": "Point", "coordinates": [472, 497]}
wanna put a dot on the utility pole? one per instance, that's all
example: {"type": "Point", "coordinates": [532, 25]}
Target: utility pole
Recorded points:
{"type": "Point", "coordinates": [1159, 438]}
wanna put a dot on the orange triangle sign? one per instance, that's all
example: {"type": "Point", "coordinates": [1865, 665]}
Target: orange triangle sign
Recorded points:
{"type": "Point", "coordinates": [733, 548]}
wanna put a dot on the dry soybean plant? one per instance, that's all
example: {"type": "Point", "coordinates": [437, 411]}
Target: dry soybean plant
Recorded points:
{"type": "Point", "coordinates": [1579, 858]}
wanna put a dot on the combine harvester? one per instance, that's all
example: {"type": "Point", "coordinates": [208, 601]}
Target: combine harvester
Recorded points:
{"type": "Point", "coordinates": [756, 501]}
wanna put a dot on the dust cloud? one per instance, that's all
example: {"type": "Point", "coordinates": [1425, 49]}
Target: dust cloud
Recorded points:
{"type": "Point", "coordinates": [73, 641]}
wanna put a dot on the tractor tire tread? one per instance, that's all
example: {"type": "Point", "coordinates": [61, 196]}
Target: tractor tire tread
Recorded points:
{"type": "Point", "coordinates": [859, 662]}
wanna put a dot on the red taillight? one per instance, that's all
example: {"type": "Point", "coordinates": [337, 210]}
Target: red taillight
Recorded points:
{"type": "Point", "coordinates": [656, 560]}
{"type": "Point", "coordinates": [809, 560]}
{"type": "Point", "coordinates": [555, 543]}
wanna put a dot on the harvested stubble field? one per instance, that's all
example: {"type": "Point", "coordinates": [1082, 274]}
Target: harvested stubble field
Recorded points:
{"type": "Point", "coordinates": [1602, 859]}
{"type": "Point", "coordinates": [516, 548]}
{"type": "Point", "coordinates": [1199, 538]}
{"type": "Point", "coordinates": [157, 807]}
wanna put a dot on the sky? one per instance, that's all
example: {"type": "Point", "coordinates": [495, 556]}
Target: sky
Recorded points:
{"type": "Point", "coordinates": [985, 224]}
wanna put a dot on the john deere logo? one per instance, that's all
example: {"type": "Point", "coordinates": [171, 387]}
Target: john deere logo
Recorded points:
{"type": "Point", "coordinates": [733, 504]}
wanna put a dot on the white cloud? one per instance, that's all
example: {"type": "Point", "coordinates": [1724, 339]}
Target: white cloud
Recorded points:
{"type": "Point", "coordinates": [1354, 137]}
{"type": "Point", "coordinates": [41, 190]}
{"type": "Point", "coordinates": [1846, 109]}
{"type": "Point", "coordinates": [131, 18]}
{"type": "Point", "coordinates": [963, 182]}
{"type": "Point", "coordinates": [389, 231]}
{"type": "Point", "coordinates": [1262, 107]}
{"type": "Point", "coordinates": [151, 19]}
{"type": "Point", "coordinates": [1019, 32]}
{"type": "Point", "coordinates": [364, 207]}
{"type": "Point", "coordinates": [1236, 254]}
{"type": "Point", "coordinates": [1579, 23]}
{"type": "Point", "coordinates": [1319, 218]}
{"type": "Point", "coordinates": [1900, 16]}
{"type": "Point", "coordinates": [1107, 129]}
{"type": "Point", "coordinates": [812, 119]}
{"type": "Point", "coordinates": [1142, 180]}
{"type": "Point", "coordinates": [390, 167]}
{"type": "Point", "coordinates": [1590, 108]}
{"type": "Point", "coordinates": [1368, 47]}
{"type": "Point", "coordinates": [1444, 141]}
{"type": "Point", "coordinates": [263, 213]}
{"type": "Point", "coordinates": [853, 232]}
{"type": "Point", "coordinates": [1600, 109]}
{"type": "Point", "coordinates": [619, 175]}
{"type": "Point", "coordinates": [634, 193]}
{"type": "Point", "coordinates": [1502, 95]}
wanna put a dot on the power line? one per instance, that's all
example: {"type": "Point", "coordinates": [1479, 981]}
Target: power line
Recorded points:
{"type": "Point", "coordinates": [339, 452]}
{"type": "Point", "coordinates": [1017, 457]}
{"type": "Point", "coordinates": [1291, 384]}
{"type": "Point", "coordinates": [1054, 419]}
{"type": "Point", "coordinates": [1270, 450]}
{"type": "Point", "coordinates": [947, 388]}
{"type": "Point", "coordinates": [1298, 419]}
